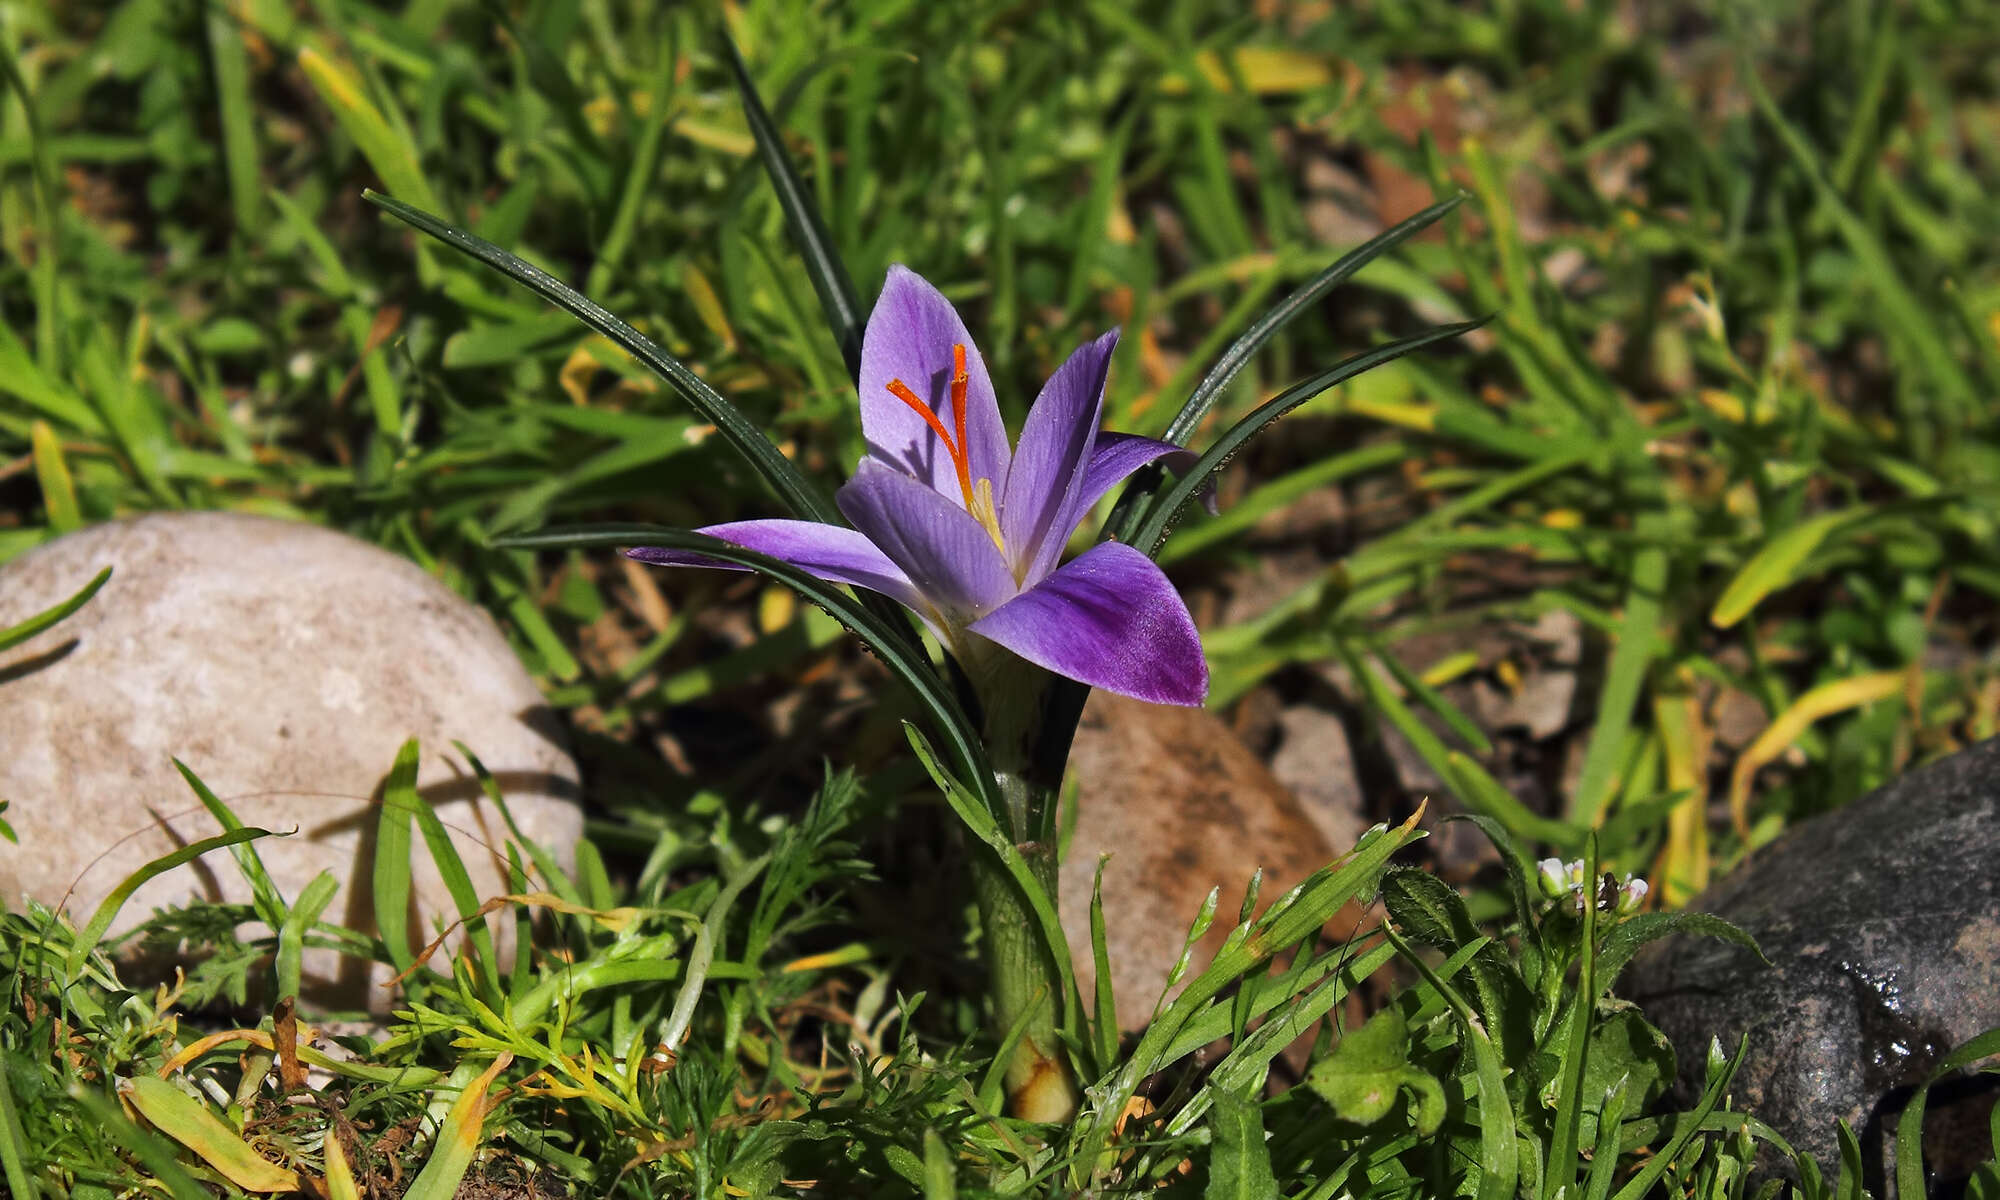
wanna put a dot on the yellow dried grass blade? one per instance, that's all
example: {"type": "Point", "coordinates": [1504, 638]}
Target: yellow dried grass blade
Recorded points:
{"type": "Point", "coordinates": [458, 1140]}
{"type": "Point", "coordinates": [340, 1183]}
{"type": "Point", "coordinates": [393, 158]}
{"type": "Point", "coordinates": [1684, 741]}
{"type": "Point", "coordinates": [58, 489]}
{"type": "Point", "coordinates": [189, 1122]}
{"type": "Point", "coordinates": [1822, 701]}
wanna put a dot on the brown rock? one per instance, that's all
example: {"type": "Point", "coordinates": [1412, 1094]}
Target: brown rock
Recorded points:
{"type": "Point", "coordinates": [1182, 807]}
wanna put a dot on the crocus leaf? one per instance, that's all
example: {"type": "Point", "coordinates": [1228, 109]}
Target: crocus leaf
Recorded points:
{"type": "Point", "coordinates": [799, 494]}
{"type": "Point", "coordinates": [964, 750]}
{"type": "Point", "coordinates": [802, 219]}
{"type": "Point", "coordinates": [1151, 530]}
{"type": "Point", "coordinates": [1131, 508]}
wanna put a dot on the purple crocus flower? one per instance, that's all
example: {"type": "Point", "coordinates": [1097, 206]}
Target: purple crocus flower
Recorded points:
{"type": "Point", "coordinates": [967, 532]}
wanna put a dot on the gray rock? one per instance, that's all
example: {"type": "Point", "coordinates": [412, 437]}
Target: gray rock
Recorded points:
{"type": "Point", "coordinates": [1883, 922]}
{"type": "Point", "coordinates": [284, 664]}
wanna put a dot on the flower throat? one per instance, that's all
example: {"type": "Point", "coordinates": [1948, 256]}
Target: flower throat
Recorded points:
{"type": "Point", "coordinates": [978, 495]}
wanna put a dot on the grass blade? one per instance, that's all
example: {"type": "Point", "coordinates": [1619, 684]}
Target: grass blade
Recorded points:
{"type": "Point", "coordinates": [1289, 309]}
{"type": "Point", "coordinates": [802, 218]}
{"type": "Point", "coordinates": [1638, 642]}
{"type": "Point", "coordinates": [100, 921]}
{"type": "Point", "coordinates": [13, 1144]}
{"type": "Point", "coordinates": [1910, 1126]}
{"type": "Point", "coordinates": [390, 876]}
{"type": "Point", "coordinates": [265, 896]}
{"type": "Point", "coordinates": [395, 160]}
{"type": "Point", "coordinates": [15, 635]}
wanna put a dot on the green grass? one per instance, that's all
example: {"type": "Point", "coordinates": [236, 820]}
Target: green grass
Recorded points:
{"type": "Point", "coordinates": [1734, 411]}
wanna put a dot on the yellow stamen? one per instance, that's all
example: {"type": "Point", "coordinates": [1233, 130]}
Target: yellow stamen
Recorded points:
{"type": "Point", "coordinates": [987, 513]}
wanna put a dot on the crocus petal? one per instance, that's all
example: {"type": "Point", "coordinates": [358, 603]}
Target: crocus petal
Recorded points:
{"type": "Point", "coordinates": [1110, 619]}
{"type": "Point", "coordinates": [1049, 460]}
{"type": "Point", "coordinates": [909, 337]}
{"type": "Point", "coordinates": [826, 552]}
{"type": "Point", "coordinates": [1112, 458]}
{"type": "Point", "coordinates": [946, 554]}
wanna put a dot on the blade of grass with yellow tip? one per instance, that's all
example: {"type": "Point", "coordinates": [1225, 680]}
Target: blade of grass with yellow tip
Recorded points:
{"type": "Point", "coordinates": [458, 1140]}
{"type": "Point", "coordinates": [188, 1121]}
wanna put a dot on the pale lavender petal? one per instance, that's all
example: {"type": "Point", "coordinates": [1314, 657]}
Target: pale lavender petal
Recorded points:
{"type": "Point", "coordinates": [1110, 619]}
{"type": "Point", "coordinates": [824, 551]}
{"type": "Point", "coordinates": [909, 337]}
{"type": "Point", "coordinates": [1049, 460]}
{"type": "Point", "coordinates": [1112, 458]}
{"type": "Point", "coordinates": [946, 554]}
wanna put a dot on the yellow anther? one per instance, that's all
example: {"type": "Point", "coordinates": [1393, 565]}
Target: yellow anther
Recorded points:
{"type": "Point", "coordinates": [986, 512]}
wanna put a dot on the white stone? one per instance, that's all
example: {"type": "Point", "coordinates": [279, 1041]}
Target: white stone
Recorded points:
{"type": "Point", "coordinates": [285, 664]}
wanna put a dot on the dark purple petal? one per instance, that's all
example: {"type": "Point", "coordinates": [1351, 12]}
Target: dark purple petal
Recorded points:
{"type": "Point", "coordinates": [947, 555]}
{"type": "Point", "coordinates": [824, 551]}
{"type": "Point", "coordinates": [909, 337]}
{"type": "Point", "coordinates": [1049, 460]}
{"type": "Point", "coordinates": [1110, 619]}
{"type": "Point", "coordinates": [1112, 458]}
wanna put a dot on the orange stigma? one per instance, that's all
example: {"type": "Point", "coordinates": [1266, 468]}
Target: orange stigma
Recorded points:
{"type": "Point", "coordinates": [954, 448]}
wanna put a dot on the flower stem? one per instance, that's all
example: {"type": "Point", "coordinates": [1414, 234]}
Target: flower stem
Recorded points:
{"type": "Point", "coordinates": [1026, 984]}
{"type": "Point", "coordinates": [1040, 1085]}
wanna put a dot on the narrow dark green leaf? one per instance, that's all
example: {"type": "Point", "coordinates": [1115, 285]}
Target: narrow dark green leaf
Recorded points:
{"type": "Point", "coordinates": [904, 657]}
{"type": "Point", "coordinates": [1130, 509]}
{"type": "Point", "coordinates": [829, 275]}
{"type": "Point", "coordinates": [1151, 529]}
{"type": "Point", "coordinates": [1268, 326]}
{"type": "Point", "coordinates": [799, 494]}
{"type": "Point", "coordinates": [1104, 1037]}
